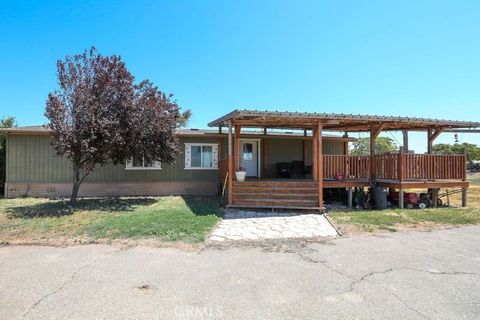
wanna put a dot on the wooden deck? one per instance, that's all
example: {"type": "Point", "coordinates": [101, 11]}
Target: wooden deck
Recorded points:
{"type": "Point", "coordinates": [399, 171]}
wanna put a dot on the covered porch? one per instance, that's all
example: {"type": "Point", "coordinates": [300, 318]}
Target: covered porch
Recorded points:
{"type": "Point", "coordinates": [402, 170]}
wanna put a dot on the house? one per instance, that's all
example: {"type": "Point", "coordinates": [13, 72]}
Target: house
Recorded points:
{"type": "Point", "coordinates": [288, 159]}
{"type": "Point", "coordinates": [34, 169]}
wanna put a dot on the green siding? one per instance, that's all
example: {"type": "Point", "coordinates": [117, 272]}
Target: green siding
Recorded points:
{"type": "Point", "coordinates": [33, 159]}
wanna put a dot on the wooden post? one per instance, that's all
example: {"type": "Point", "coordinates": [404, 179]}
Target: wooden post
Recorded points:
{"type": "Point", "coordinates": [230, 165]}
{"type": "Point", "coordinates": [315, 153]}
{"type": "Point", "coordinates": [345, 148]}
{"type": "Point", "coordinates": [265, 158]}
{"type": "Point", "coordinates": [401, 166]}
{"type": "Point", "coordinates": [236, 152]}
{"type": "Point", "coordinates": [320, 165]}
{"type": "Point", "coordinates": [374, 132]}
{"type": "Point", "coordinates": [350, 197]}
{"type": "Point", "coordinates": [429, 141]}
{"type": "Point", "coordinates": [464, 197]}
{"type": "Point", "coordinates": [304, 150]}
{"type": "Point", "coordinates": [435, 198]}
{"type": "Point", "coordinates": [405, 140]}
{"type": "Point", "coordinates": [431, 136]}
{"type": "Point", "coordinates": [401, 199]}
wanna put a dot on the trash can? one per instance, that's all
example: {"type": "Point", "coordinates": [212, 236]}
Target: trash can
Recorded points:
{"type": "Point", "coordinates": [380, 198]}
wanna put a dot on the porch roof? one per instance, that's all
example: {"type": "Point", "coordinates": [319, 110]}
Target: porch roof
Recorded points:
{"type": "Point", "coordinates": [336, 121]}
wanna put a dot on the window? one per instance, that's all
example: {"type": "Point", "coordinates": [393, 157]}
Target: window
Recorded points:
{"type": "Point", "coordinates": [247, 153]}
{"type": "Point", "coordinates": [139, 163]}
{"type": "Point", "coordinates": [201, 156]}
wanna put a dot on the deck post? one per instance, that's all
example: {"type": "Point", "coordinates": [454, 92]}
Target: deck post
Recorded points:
{"type": "Point", "coordinates": [431, 136]}
{"type": "Point", "coordinates": [320, 165]}
{"type": "Point", "coordinates": [230, 165]}
{"type": "Point", "coordinates": [350, 197]}
{"type": "Point", "coordinates": [405, 140]}
{"type": "Point", "coordinates": [401, 199]}
{"type": "Point", "coordinates": [315, 154]}
{"type": "Point", "coordinates": [464, 197]}
{"type": "Point", "coordinates": [236, 152]}
{"type": "Point", "coordinates": [435, 198]}
{"type": "Point", "coordinates": [374, 132]}
{"type": "Point", "coordinates": [401, 166]}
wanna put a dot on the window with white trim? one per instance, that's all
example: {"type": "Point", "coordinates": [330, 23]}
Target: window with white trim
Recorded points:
{"type": "Point", "coordinates": [139, 163]}
{"type": "Point", "coordinates": [201, 156]}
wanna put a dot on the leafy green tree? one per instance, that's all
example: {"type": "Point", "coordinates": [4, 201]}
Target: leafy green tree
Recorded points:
{"type": "Point", "coordinates": [472, 150]}
{"type": "Point", "coordinates": [99, 115]}
{"type": "Point", "coordinates": [361, 147]}
{"type": "Point", "coordinates": [7, 122]}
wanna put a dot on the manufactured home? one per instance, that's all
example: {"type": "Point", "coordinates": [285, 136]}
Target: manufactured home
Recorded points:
{"type": "Point", "coordinates": [290, 158]}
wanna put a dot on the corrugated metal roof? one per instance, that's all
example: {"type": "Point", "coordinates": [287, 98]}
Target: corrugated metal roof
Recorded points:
{"type": "Point", "coordinates": [342, 118]}
{"type": "Point", "coordinates": [38, 129]}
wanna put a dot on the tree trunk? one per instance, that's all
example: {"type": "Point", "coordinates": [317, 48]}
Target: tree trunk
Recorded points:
{"type": "Point", "coordinates": [76, 185]}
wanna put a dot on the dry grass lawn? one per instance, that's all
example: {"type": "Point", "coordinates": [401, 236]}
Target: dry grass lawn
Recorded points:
{"type": "Point", "coordinates": [359, 221]}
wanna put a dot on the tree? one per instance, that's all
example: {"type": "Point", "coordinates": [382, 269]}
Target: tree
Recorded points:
{"type": "Point", "coordinates": [7, 122]}
{"type": "Point", "coordinates": [98, 115]}
{"type": "Point", "coordinates": [472, 150]}
{"type": "Point", "coordinates": [361, 147]}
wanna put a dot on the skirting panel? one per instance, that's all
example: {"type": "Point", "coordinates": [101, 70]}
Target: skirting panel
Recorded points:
{"type": "Point", "coordinates": [50, 190]}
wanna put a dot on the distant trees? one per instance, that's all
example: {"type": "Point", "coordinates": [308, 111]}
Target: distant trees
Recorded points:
{"type": "Point", "coordinates": [7, 122]}
{"type": "Point", "coordinates": [472, 150]}
{"type": "Point", "coordinates": [361, 147]}
{"type": "Point", "coordinates": [99, 115]}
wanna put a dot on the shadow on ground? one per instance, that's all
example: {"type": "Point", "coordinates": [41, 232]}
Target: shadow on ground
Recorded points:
{"type": "Point", "coordinates": [62, 208]}
{"type": "Point", "coordinates": [204, 206]}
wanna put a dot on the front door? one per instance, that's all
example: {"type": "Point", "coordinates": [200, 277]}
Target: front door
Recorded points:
{"type": "Point", "coordinates": [249, 157]}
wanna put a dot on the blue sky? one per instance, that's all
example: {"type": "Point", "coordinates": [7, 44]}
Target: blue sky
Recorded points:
{"type": "Point", "coordinates": [412, 58]}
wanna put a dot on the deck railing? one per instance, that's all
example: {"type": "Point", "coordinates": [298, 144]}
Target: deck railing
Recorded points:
{"type": "Point", "coordinates": [396, 166]}
{"type": "Point", "coordinates": [400, 167]}
{"type": "Point", "coordinates": [429, 166]}
{"type": "Point", "coordinates": [350, 167]}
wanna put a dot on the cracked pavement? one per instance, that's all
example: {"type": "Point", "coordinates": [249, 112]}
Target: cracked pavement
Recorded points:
{"type": "Point", "coordinates": [415, 275]}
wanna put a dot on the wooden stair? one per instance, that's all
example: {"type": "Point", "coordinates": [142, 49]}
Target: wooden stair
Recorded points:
{"type": "Point", "coordinates": [276, 194]}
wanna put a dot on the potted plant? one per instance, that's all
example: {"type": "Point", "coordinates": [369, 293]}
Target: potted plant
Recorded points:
{"type": "Point", "coordinates": [240, 174]}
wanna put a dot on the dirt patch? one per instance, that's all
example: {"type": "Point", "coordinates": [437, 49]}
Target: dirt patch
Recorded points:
{"type": "Point", "coordinates": [59, 241]}
{"type": "Point", "coordinates": [369, 230]}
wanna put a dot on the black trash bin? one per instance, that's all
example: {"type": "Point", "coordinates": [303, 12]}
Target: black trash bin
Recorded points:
{"type": "Point", "coordinates": [380, 198]}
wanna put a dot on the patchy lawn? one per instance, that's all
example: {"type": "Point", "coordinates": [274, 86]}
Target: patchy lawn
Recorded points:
{"type": "Point", "coordinates": [167, 219]}
{"type": "Point", "coordinates": [395, 219]}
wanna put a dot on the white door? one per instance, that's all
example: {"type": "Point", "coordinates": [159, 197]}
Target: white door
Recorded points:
{"type": "Point", "coordinates": [249, 157]}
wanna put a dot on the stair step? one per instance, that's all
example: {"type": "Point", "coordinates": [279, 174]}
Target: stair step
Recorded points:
{"type": "Point", "coordinates": [279, 195]}
{"type": "Point", "coordinates": [262, 201]}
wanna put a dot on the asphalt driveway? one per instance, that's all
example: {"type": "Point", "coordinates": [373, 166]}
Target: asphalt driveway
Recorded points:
{"type": "Point", "coordinates": [418, 275]}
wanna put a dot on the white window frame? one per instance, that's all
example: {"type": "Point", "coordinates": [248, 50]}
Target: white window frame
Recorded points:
{"type": "Point", "coordinates": [188, 155]}
{"type": "Point", "coordinates": [157, 165]}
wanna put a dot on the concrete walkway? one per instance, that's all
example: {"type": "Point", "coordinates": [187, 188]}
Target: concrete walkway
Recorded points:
{"type": "Point", "coordinates": [254, 225]}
